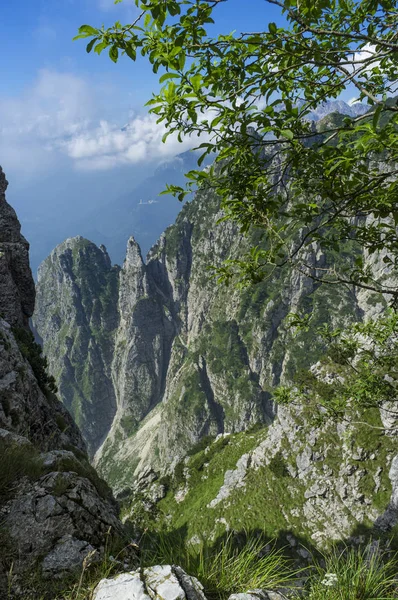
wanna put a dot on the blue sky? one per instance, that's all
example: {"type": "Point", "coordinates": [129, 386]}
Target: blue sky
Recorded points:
{"type": "Point", "coordinates": [61, 112]}
{"type": "Point", "coordinates": [62, 108]}
{"type": "Point", "coordinates": [62, 145]}
{"type": "Point", "coordinates": [37, 34]}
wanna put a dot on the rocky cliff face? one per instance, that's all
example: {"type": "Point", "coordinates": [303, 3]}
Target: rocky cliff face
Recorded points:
{"type": "Point", "coordinates": [54, 509]}
{"type": "Point", "coordinates": [292, 480]}
{"type": "Point", "coordinates": [17, 292]}
{"type": "Point", "coordinates": [24, 408]}
{"type": "Point", "coordinates": [79, 331]}
{"type": "Point", "coordinates": [223, 348]}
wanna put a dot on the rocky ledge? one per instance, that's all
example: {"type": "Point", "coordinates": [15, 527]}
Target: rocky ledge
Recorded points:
{"type": "Point", "coordinates": [55, 513]}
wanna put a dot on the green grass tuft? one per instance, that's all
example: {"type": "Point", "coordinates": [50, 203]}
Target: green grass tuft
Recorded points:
{"type": "Point", "coordinates": [229, 566]}
{"type": "Point", "coordinates": [16, 462]}
{"type": "Point", "coordinates": [355, 574]}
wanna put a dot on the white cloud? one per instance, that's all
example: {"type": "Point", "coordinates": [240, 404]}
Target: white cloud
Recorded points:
{"type": "Point", "coordinates": [108, 145]}
{"type": "Point", "coordinates": [366, 54]}
{"type": "Point", "coordinates": [354, 100]}
{"type": "Point", "coordinates": [55, 106]}
{"type": "Point", "coordinates": [60, 118]}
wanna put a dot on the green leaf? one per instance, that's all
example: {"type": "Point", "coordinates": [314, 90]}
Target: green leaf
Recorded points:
{"type": "Point", "coordinates": [181, 60]}
{"type": "Point", "coordinates": [165, 136]}
{"type": "Point", "coordinates": [376, 116]}
{"type": "Point", "coordinates": [90, 45]}
{"type": "Point", "coordinates": [216, 121]}
{"type": "Point", "coordinates": [87, 30]}
{"type": "Point", "coordinates": [196, 81]}
{"type": "Point", "coordinates": [287, 133]}
{"type": "Point", "coordinates": [100, 47]}
{"type": "Point", "coordinates": [174, 8]}
{"type": "Point", "coordinates": [155, 11]}
{"type": "Point", "coordinates": [166, 76]}
{"type": "Point", "coordinates": [131, 52]}
{"type": "Point", "coordinates": [114, 53]}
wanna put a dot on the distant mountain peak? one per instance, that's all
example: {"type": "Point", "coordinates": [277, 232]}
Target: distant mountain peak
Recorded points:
{"type": "Point", "coordinates": [329, 106]}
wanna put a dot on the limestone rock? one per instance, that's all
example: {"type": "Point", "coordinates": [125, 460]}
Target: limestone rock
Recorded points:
{"type": "Point", "coordinates": [258, 595]}
{"type": "Point", "coordinates": [9, 439]}
{"type": "Point", "coordinates": [68, 509]}
{"type": "Point", "coordinates": [67, 556]}
{"type": "Point", "coordinates": [143, 340]}
{"type": "Point", "coordinates": [76, 315]}
{"type": "Point", "coordinates": [125, 585]}
{"type": "Point", "coordinates": [389, 518]}
{"type": "Point", "coordinates": [233, 480]}
{"type": "Point", "coordinates": [17, 290]}
{"type": "Point", "coordinates": [153, 583]}
{"type": "Point", "coordinates": [24, 408]}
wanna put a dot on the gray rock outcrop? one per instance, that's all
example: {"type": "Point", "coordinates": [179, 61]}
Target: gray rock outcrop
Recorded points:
{"type": "Point", "coordinates": [24, 408]}
{"type": "Point", "coordinates": [165, 583]}
{"type": "Point", "coordinates": [17, 290]}
{"type": "Point", "coordinates": [258, 595]}
{"type": "Point", "coordinates": [154, 583]}
{"type": "Point", "coordinates": [59, 517]}
{"type": "Point", "coordinates": [143, 339]}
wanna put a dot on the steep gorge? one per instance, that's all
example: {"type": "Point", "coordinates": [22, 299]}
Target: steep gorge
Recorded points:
{"type": "Point", "coordinates": [194, 361]}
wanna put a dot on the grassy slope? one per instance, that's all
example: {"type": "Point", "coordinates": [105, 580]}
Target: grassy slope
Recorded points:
{"type": "Point", "coordinates": [271, 500]}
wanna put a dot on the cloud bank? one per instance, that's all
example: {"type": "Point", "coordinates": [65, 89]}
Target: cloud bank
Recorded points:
{"type": "Point", "coordinates": [108, 145]}
{"type": "Point", "coordinates": [63, 117]}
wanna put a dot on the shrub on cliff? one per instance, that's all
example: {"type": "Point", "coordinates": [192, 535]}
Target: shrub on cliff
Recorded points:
{"type": "Point", "coordinates": [33, 353]}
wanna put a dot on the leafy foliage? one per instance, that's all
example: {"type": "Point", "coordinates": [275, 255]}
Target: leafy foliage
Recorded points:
{"type": "Point", "coordinates": [247, 96]}
{"type": "Point", "coordinates": [359, 371]}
